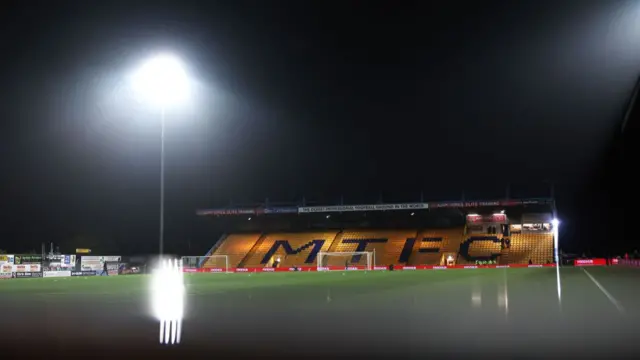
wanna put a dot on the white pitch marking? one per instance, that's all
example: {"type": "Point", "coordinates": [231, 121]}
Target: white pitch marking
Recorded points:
{"type": "Point", "coordinates": [605, 292]}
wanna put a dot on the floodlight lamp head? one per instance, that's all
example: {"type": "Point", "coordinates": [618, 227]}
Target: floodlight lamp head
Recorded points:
{"type": "Point", "coordinates": [162, 81]}
{"type": "Point", "coordinates": [555, 222]}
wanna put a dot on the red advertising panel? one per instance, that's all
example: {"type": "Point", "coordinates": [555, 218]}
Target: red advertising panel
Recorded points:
{"type": "Point", "coordinates": [479, 219]}
{"type": "Point", "coordinates": [360, 268]}
{"type": "Point", "coordinates": [590, 262]}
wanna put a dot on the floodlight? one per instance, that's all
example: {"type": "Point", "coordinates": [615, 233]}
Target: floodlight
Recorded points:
{"type": "Point", "coordinates": [162, 81]}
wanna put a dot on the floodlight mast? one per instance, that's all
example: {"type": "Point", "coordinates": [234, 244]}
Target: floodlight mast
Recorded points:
{"type": "Point", "coordinates": [162, 82]}
{"type": "Point", "coordinates": [161, 235]}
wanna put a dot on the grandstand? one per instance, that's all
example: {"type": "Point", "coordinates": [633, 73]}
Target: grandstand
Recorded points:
{"type": "Point", "coordinates": [235, 246]}
{"type": "Point", "coordinates": [500, 232]}
{"type": "Point", "coordinates": [287, 249]}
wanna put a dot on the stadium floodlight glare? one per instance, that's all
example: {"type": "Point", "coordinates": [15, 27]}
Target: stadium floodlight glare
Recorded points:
{"type": "Point", "coordinates": [167, 299]}
{"type": "Point", "coordinates": [161, 82]}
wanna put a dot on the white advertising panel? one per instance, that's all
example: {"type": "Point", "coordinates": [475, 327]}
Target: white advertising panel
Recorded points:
{"type": "Point", "coordinates": [372, 207]}
{"type": "Point", "coordinates": [112, 258]}
{"type": "Point", "coordinates": [56, 273]}
{"type": "Point", "coordinates": [96, 263]}
{"type": "Point", "coordinates": [6, 268]}
{"type": "Point", "coordinates": [26, 268]}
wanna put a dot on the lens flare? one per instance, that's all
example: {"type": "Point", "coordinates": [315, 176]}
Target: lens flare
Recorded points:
{"type": "Point", "coordinates": [167, 298]}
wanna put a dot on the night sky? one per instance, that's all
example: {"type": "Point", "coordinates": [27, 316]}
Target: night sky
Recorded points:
{"type": "Point", "coordinates": [316, 99]}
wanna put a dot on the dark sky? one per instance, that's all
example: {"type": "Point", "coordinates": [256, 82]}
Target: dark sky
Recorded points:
{"type": "Point", "coordinates": [303, 98]}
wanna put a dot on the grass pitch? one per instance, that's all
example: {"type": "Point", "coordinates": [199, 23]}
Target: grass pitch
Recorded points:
{"type": "Point", "coordinates": [400, 313]}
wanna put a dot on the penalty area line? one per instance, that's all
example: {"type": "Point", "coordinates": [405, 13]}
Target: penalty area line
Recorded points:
{"type": "Point", "coordinates": [613, 300]}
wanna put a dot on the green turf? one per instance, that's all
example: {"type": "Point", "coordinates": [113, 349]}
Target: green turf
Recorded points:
{"type": "Point", "coordinates": [433, 308]}
{"type": "Point", "coordinates": [356, 282]}
{"type": "Point", "coordinates": [453, 287]}
{"type": "Point", "coordinates": [527, 291]}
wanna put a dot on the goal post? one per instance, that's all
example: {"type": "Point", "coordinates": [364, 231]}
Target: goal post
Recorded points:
{"type": "Point", "coordinates": [210, 263]}
{"type": "Point", "coordinates": [351, 260]}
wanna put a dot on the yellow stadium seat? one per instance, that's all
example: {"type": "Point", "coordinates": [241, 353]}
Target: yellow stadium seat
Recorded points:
{"type": "Point", "coordinates": [431, 247]}
{"type": "Point", "coordinates": [537, 247]}
{"type": "Point", "coordinates": [301, 246]}
{"type": "Point", "coordinates": [434, 252]}
{"type": "Point", "coordinates": [387, 244]}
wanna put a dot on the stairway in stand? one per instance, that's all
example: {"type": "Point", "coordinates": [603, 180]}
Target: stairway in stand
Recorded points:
{"type": "Point", "coordinates": [253, 250]}
{"type": "Point", "coordinates": [504, 257]}
{"type": "Point", "coordinates": [335, 242]}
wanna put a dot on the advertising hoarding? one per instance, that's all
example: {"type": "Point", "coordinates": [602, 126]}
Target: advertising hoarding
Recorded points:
{"type": "Point", "coordinates": [26, 268]}
{"type": "Point", "coordinates": [27, 274]}
{"type": "Point", "coordinates": [590, 262]}
{"type": "Point", "coordinates": [83, 273]}
{"type": "Point", "coordinates": [27, 259]}
{"type": "Point", "coordinates": [96, 263]}
{"type": "Point", "coordinates": [372, 207]}
{"type": "Point", "coordinates": [56, 273]}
